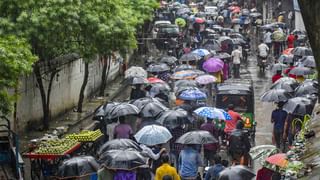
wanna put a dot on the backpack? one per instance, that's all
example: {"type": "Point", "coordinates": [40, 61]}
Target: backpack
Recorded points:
{"type": "Point", "coordinates": [236, 142]}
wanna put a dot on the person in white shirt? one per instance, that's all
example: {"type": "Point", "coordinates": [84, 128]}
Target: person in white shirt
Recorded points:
{"type": "Point", "coordinates": [263, 51]}
{"type": "Point", "coordinates": [267, 38]}
{"type": "Point", "coordinates": [236, 60]}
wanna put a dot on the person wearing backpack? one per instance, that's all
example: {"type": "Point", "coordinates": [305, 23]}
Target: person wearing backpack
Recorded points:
{"type": "Point", "coordinates": [239, 145]}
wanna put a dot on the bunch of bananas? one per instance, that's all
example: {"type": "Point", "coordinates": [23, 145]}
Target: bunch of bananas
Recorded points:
{"type": "Point", "coordinates": [55, 146]}
{"type": "Point", "coordinates": [85, 136]}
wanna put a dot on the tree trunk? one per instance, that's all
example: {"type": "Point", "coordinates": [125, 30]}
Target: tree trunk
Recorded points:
{"type": "Point", "coordinates": [105, 74]}
{"type": "Point", "coordinates": [83, 86]}
{"type": "Point", "coordinates": [310, 14]}
{"type": "Point", "coordinates": [45, 97]}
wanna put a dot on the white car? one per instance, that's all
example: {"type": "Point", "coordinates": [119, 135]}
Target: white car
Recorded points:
{"type": "Point", "coordinates": [155, 28]}
{"type": "Point", "coordinates": [211, 10]}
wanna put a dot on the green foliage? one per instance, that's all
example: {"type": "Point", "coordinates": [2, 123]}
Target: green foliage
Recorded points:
{"type": "Point", "coordinates": [16, 59]}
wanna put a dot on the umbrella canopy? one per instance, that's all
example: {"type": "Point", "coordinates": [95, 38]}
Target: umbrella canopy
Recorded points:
{"type": "Point", "coordinates": [143, 101]}
{"type": "Point", "coordinates": [99, 114]}
{"type": "Point", "coordinates": [136, 80]}
{"type": "Point", "coordinates": [301, 71]}
{"type": "Point", "coordinates": [212, 45]}
{"type": "Point", "coordinates": [116, 144]}
{"type": "Point", "coordinates": [185, 74]}
{"type": "Point", "coordinates": [302, 51]}
{"type": "Point", "coordinates": [237, 172]}
{"type": "Point", "coordinates": [225, 39]}
{"type": "Point", "coordinates": [78, 167]}
{"type": "Point", "coordinates": [170, 60]}
{"type": "Point", "coordinates": [156, 88]}
{"type": "Point", "coordinates": [223, 55]}
{"type": "Point", "coordinates": [308, 61]}
{"type": "Point", "coordinates": [192, 95]}
{"type": "Point", "coordinates": [136, 71]}
{"type": "Point", "coordinates": [255, 14]}
{"type": "Point", "coordinates": [122, 159]}
{"type": "Point", "coordinates": [287, 59]}
{"type": "Point", "coordinates": [280, 160]}
{"type": "Point", "coordinates": [275, 95]}
{"type": "Point", "coordinates": [178, 90]}
{"type": "Point", "coordinates": [263, 151]}
{"type": "Point", "coordinates": [286, 83]}
{"type": "Point", "coordinates": [287, 51]}
{"type": "Point", "coordinates": [206, 79]}
{"type": "Point", "coordinates": [197, 137]}
{"type": "Point", "coordinates": [213, 65]}
{"type": "Point", "coordinates": [199, 20]}
{"type": "Point", "coordinates": [189, 57]}
{"type": "Point", "coordinates": [156, 68]}
{"type": "Point", "coordinates": [183, 67]}
{"type": "Point", "coordinates": [307, 88]}
{"type": "Point", "coordinates": [201, 52]}
{"type": "Point", "coordinates": [185, 82]}
{"type": "Point", "coordinates": [172, 118]}
{"type": "Point", "coordinates": [152, 109]}
{"type": "Point", "coordinates": [238, 41]}
{"type": "Point", "coordinates": [278, 67]}
{"type": "Point", "coordinates": [152, 80]}
{"type": "Point", "coordinates": [152, 135]}
{"type": "Point", "coordinates": [212, 113]}
{"type": "Point", "coordinates": [180, 22]}
{"type": "Point", "coordinates": [298, 106]}
{"type": "Point", "coordinates": [123, 109]}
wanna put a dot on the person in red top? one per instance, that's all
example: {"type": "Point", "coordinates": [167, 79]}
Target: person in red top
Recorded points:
{"type": "Point", "coordinates": [235, 117]}
{"type": "Point", "coordinates": [287, 71]}
{"type": "Point", "coordinates": [290, 40]}
{"type": "Point", "coordinates": [276, 76]}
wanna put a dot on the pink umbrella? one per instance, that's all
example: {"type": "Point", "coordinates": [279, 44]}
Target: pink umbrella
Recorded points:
{"type": "Point", "coordinates": [213, 65]}
{"type": "Point", "coordinates": [199, 20]}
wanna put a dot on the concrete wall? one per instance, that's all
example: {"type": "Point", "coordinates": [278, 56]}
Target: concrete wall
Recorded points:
{"type": "Point", "coordinates": [65, 90]}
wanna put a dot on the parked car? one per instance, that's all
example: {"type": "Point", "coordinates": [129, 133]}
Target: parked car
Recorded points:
{"type": "Point", "coordinates": [156, 26]}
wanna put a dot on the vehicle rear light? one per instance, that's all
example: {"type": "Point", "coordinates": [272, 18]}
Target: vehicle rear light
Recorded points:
{"type": "Point", "coordinates": [247, 120]}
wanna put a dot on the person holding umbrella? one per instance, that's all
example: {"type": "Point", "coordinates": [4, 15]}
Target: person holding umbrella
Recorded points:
{"type": "Point", "coordinates": [278, 118]}
{"type": "Point", "coordinates": [189, 162]}
{"type": "Point", "coordinates": [209, 149]}
{"type": "Point", "coordinates": [137, 92]}
{"type": "Point", "coordinates": [166, 170]}
{"type": "Point", "coordinates": [123, 130]}
{"type": "Point", "coordinates": [236, 59]}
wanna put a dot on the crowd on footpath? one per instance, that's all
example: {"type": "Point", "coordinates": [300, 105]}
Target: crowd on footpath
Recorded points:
{"type": "Point", "coordinates": [169, 129]}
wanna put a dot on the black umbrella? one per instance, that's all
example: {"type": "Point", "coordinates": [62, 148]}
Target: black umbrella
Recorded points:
{"type": "Point", "coordinates": [217, 28]}
{"type": "Point", "coordinates": [307, 87]}
{"type": "Point", "coordinates": [197, 137]}
{"type": "Point", "coordinates": [299, 106]}
{"type": "Point", "coordinates": [308, 61]}
{"type": "Point", "coordinates": [190, 57]}
{"type": "Point", "coordinates": [302, 51]}
{"type": "Point", "coordinates": [183, 67]}
{"type": "Point", "coordinates": [117, 144]}
{"type": "Point", "coordinates": [122, 159]}
{"type": "Point", "coordinates": [152, 109]}
{"type": "Point", "coordinates": [185, 82]}
{"type": "Point", "coordinates": [237, 172]}
{"type": "Point", "coordinates": [172, 118]}
{"type": "Point", "coordinates": [276, 95]}
{"type": "Point", "coordinates": [123, 109]}
{"type": "Point", "coordinates": [78, 167]}
{"type": "Point", "coordinates": [170, 60]}
{"type": "Point", "coordinates": [227, 30]}
{"type": "Point", "coordinates": [212, 45]}
{"type": "Point", "coordinates": [143, 101]}
{"type": "Point", "coordinates": [286, 83]}
{"type": "Point", "coordinates": [301, 71]}
{"type": "Point", "coordinates": [136, 80]}
{"type": "Point", "coordinates": [99, 113]}
{"type": "Point", "coordinates": [156, 68]}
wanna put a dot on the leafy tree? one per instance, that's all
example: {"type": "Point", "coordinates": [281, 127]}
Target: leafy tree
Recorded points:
{"type": "Point", "coordinates": [16, 59]}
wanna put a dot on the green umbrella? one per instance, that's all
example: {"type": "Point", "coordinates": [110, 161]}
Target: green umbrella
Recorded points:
{"type": "Point", "coordinates": [180, 22]}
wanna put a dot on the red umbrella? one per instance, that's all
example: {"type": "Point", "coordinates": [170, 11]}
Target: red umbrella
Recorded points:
{"type": "Point", "coordinates": [236, 10]}
{"type": "Point", "coordinates": [199, 20]}
{"type": "Point", "coordinates": [280, 160]}
{"type": "Point", "coordinates": [153, 80]}
{"type": "Point", "coordinates": [287, 51]}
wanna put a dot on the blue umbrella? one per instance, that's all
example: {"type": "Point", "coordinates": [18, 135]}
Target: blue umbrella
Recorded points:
{"type": "Point", "coordinates": [212, 113]}
{"type": "Point", "coordinates": [201, 52]}
{"type": "Point", "coordinates": [152, 135]}
{"type": "Point", "coordinates": [192, 95]}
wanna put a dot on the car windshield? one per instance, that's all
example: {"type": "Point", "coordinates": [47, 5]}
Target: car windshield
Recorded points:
{"type": "Point", "coordinates": [240, 102]}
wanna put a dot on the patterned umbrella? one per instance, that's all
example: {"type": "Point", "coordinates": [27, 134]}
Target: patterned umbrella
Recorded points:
{"type": "Point", "coordinates": [263, 151]}
{"type": "Point", "coordinates": [192, 95]}
{"type": "Point", "coordinates": [212, 113]}
{"type": "Point", "coordinates": [186, 74]}
{"type": "Point", "coordinates": [201, 52]}
{"type": "Point", "coordinates": [213, 65]}
{"type": "Point", "coordinates": [136, 71]}
{"type": "Point", "coordinates": [190, 57]}
{"type": "Point", "coordinates": [152, 80]}
{"type": "Point", "coordinates": [280, 160]}
{"type": "Point", "coordinates": [276, 95]}
{"type": "Point", "coordinates": [197, 137]}
{"type": "Point", "coordinates": [206, 79]}
{"type": "Point", "coordinates": [152, 135]}
{"type": "Point", "coordinates": [156, 68]}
